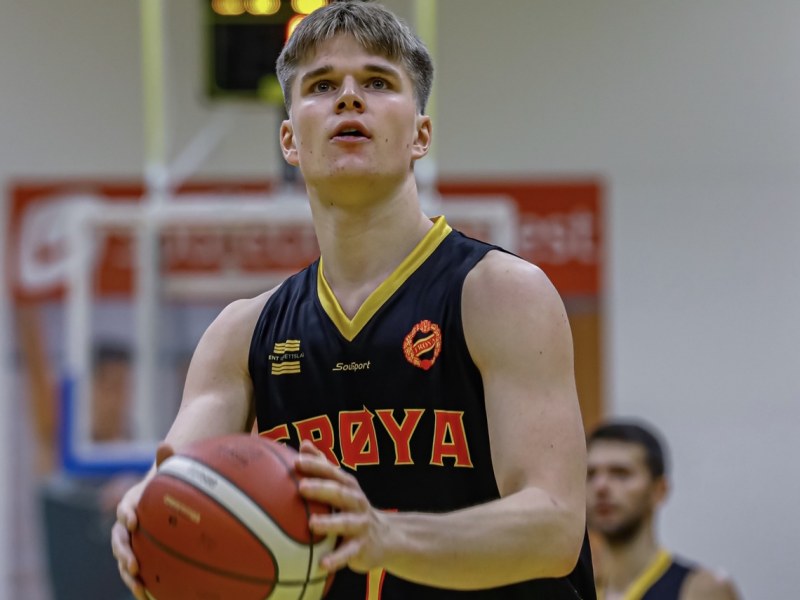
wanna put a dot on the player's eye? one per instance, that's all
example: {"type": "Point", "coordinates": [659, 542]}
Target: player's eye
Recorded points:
{"type": "Point", "coordinates": [620, 474]}
{"type": "Point", "coordinates": [377, 83]}
{"type": "Point", "coordinates": [321, 86]}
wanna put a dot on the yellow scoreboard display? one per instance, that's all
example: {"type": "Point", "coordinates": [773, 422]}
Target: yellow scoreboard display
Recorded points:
{"type": "Point", "coordinates": [243, 41]}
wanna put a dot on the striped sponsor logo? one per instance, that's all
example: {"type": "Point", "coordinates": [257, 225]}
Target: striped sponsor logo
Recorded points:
{"type": "Point", "coordinates": [287, 346]}
{"type": "Point", "coordinates": [285, 358]}
{"type": "Point", "coordinates": [286, 368]}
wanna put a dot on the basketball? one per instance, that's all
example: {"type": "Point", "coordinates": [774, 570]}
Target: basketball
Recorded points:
{"type": "Point", "coordinates": [223, 519]}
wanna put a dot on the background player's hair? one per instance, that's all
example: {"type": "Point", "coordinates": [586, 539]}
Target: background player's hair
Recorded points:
{"type": "Point", "coordinates": [636, 432]}
{"type": "Point", "coordinates": [110, 352]}
{"type": "Point", "coordinates": [374, 27]}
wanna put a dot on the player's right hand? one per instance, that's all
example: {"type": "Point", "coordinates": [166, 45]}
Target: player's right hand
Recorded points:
{"type": "Point", "coordinates": [126, 524]}
{"type": "Point", "coordinates": [121, 539]}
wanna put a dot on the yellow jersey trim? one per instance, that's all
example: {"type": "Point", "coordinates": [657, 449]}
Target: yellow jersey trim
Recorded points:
{"type": "Point", "coordinates": [654, 571]}
{"type": "Point", "coordinates": [350, 328]}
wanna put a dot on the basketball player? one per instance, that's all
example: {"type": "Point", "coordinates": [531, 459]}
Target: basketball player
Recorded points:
{"type": "Point", "coordinates": [111, 372]}
{"type": "Point", "coordinates": [627, 482]}
{"type": "Point", "coordinates": [427, 378]}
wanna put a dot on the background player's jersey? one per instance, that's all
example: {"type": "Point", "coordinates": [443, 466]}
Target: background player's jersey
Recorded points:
{"type": "Point", "coordinates": [661, 580]}
{"type": "Point", "coordinates": [391, 395]}
{"type": "Point", "coordinates": [669, 579]}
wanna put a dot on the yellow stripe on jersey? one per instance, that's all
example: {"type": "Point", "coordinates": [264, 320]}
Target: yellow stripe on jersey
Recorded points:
{"type": "Point", "coordinates": [350, 328]}
{"type": "Point", "coordinates": [654, 571]}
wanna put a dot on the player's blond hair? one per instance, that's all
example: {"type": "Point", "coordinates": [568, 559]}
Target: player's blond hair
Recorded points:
{"type": "Point", "coordinates": [374, 27]}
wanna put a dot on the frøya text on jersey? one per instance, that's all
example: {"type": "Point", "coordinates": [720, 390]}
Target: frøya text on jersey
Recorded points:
{"type": "Point", "coordinates": [357, 432]}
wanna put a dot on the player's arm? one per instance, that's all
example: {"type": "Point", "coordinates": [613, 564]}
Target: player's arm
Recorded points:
{"type": "Point", "coordinates": [217, 400]}
{"type": "Point", "coordinates": [518, 334]}
{"type": "Point", "coordinates": [519, 337]}
{"type": "Point", "coordinates": [708, 585]}
{"type": "Point", "coordinates": [217, 395]}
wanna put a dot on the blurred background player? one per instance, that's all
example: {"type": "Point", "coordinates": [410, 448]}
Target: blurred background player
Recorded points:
{"type": "Point", "coordinates": [77, 510]}
{"type": "Point", "coordinates": [627, 484]}
{"type": "Point", "coordinates": [111, 392]}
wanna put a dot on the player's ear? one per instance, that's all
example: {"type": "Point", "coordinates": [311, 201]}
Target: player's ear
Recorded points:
{"type": "Point", "coordinates": [288, 146]}
{"type": "Point", "coordinates": [422, 139]}
{"type": "Point", "coordinates": [660, 490]}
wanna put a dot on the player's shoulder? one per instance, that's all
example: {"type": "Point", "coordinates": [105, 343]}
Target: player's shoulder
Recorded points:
{"type": "Point", "coordinates": [709, 584]}
{"type": "Point", "coordinates": [239, 318]}
{"type": "Point", "coordinates": [505, 281]}
{"type": "Point", "coordinates": [509, 306]}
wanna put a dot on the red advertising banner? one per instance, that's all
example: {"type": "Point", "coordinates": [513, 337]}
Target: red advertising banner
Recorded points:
{"type": "Point", "coordinates": [559, 229]}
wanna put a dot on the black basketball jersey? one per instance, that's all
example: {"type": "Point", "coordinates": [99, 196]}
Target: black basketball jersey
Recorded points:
{"type": "Point", "coordinates": [392, 396]}
{"type": "Point", "coordinates": [661, 580]}
{"type": "Point", "coordinates": [669, 577]}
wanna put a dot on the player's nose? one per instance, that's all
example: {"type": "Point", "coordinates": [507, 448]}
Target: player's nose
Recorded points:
{"type": "Point", "coordinates": [350, 97]}
{"type": "Point", "coordinates": [597, 483]}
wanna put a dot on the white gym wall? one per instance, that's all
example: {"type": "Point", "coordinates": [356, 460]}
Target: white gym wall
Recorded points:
{"type": "Point", "coordinates": [688, 111]}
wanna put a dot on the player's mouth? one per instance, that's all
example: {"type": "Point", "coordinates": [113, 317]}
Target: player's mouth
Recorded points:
{"type": "Point", "coordinates": [603, 509]}
{"type": "Point", "coordinates": [351, 131]}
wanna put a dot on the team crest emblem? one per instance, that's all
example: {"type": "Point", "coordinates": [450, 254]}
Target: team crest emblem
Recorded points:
{"type": "Point", "coordinates": [423, 344]}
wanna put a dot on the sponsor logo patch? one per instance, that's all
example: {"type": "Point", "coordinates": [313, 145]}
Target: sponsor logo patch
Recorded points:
{"type": "Point", "coordinates": [352, 366]}
{"type": "Point", "coordinates": [285, 358]}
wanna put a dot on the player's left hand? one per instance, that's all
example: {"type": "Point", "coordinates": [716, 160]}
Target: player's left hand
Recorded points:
{"type": "Point", "coordinates": [363, 529]}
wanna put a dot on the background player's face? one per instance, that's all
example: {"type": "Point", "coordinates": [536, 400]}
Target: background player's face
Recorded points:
{"type": "Point", "coordinates": [110, 396]}
{"type": "Point", "coordinates": [622, 495]}
{"type": "Point", "coordinates": [345, 87]}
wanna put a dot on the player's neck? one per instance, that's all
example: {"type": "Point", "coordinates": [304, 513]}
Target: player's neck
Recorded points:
{"type": "Point", "coordinates": [625, 562]}
{"type": "Point", "coordinates": [363, 241]}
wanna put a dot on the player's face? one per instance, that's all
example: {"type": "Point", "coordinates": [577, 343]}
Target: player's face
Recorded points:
{"type": "Point", "coordinates": [621, 493]}
{"type": "Point", "coordinates": [353, 115]}
{"type": "Point", "coordinates": [110, 392]}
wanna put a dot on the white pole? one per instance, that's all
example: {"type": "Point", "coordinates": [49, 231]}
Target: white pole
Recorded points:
{"type": "Point", "coordinates": [8, 450]}
{"type": "Point", "coordinates": [156, 182]}
{"type": "Point", "coordinates": [78, 310]}
{"type": "Point", "coordinates": [425, 12]}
